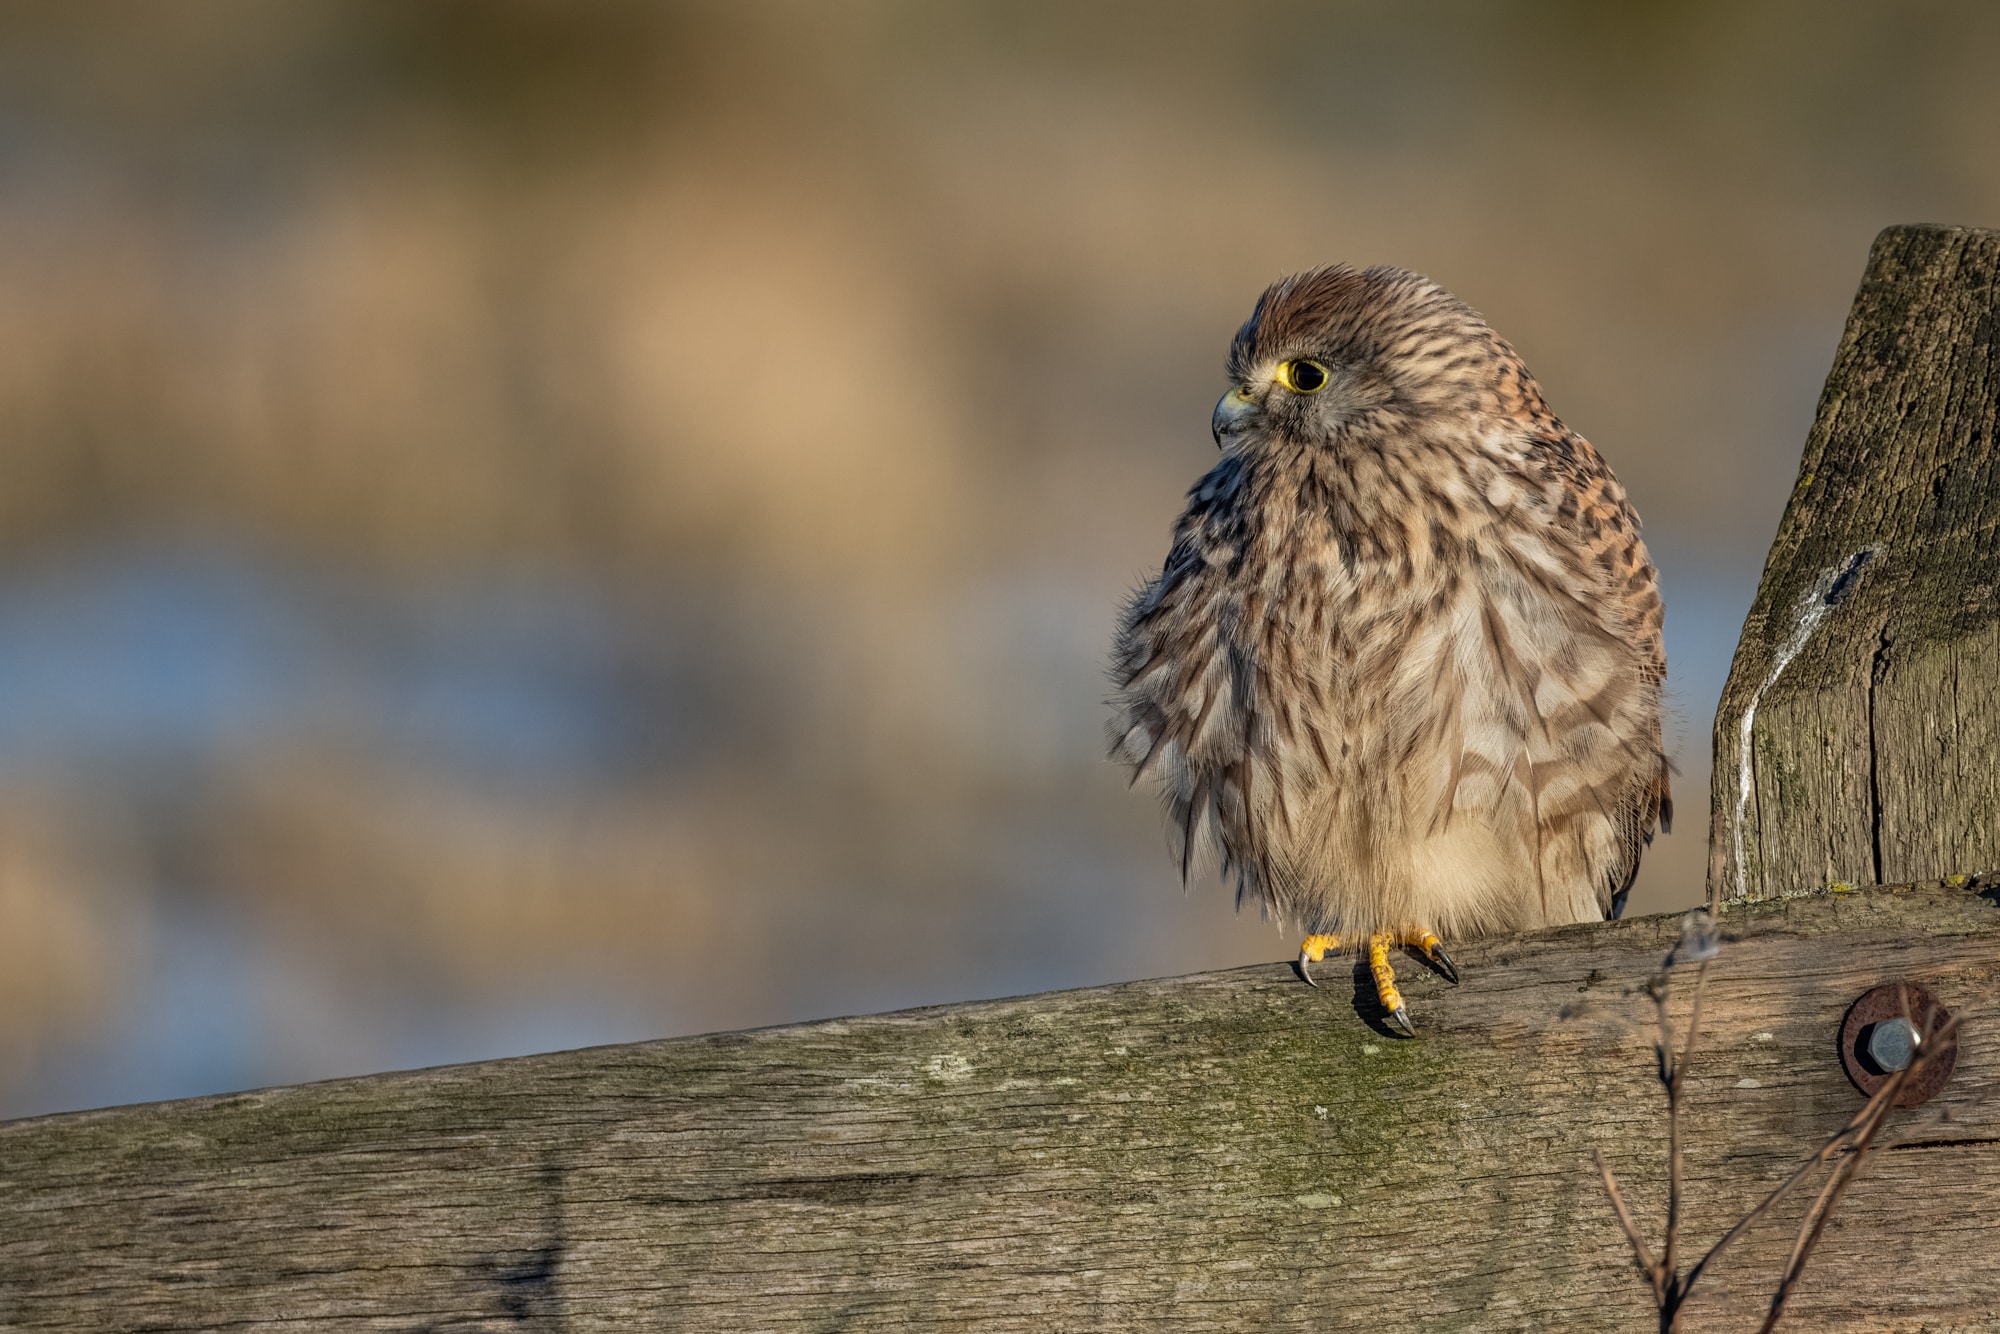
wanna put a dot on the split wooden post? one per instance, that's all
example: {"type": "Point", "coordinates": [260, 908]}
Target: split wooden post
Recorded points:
{"type": "Point", "coordinates": [1859, 735]}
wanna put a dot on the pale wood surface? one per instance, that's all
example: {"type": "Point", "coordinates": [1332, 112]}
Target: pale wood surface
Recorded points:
{"type": "Point", "coordinates": [1875, 754]}
{"type": "Point", "coordinates": [1224, 1152]}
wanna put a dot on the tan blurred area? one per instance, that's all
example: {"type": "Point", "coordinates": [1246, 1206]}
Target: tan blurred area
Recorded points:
{"type": "Point", "coordinates": [611, 513]}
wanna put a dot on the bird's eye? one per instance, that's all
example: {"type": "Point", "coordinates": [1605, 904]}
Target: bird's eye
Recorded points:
{"type": "Point", "coordinates": [1302, 377]}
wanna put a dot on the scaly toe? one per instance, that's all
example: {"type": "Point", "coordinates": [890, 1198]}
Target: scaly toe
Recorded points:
{"type": "Point", "coordinates": [1386, 993]}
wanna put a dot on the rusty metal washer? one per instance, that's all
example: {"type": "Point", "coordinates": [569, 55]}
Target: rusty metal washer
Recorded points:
{"type": "Point", "coordinates": [1891, 1001]}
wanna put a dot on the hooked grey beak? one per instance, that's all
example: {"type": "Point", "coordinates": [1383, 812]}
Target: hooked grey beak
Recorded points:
{"type": "Point", "coordinates": [1233, 413]}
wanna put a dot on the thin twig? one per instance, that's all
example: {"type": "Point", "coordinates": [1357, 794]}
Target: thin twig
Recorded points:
{"type": "Point", "coordinates": [1698, 944]}
{"type": "Point", "coordinates": [1827, 1193]}
{"type": "Point", "coordinates": [1876, 1113]}
{"type": "Point", "coordinates": [1872, 1116]}
{"type": "Point", "coordinates": [1930, 1042]}
{"type": "Point", "coordinates": [1829, 1199]}
{"type": "Point", "coordinates": [1653, 1270]}
{"type": "Point", "coordinates": [1668, 1260]}
{"type": "Point", "coordinates": [1852, 1143]}
{"type": "Point", "coordinates": [1825, 1152]}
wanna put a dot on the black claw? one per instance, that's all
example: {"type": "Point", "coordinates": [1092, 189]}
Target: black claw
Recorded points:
{"type": "Point", "coordinates": [1305, 971]}
{"type": "Point", "coordinates": [1445, 965]}
{"type": "Point", "coordinates": [1399, 1019]}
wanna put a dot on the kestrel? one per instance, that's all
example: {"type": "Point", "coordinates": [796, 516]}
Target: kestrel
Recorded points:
{"type": "Point", "coordinates": [1402, 668]}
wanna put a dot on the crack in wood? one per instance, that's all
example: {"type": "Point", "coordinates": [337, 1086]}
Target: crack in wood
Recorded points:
{"type": "Point", "coordinates": [1877, 669]}
{"type": "Point", "coordinates": [1825, 593]}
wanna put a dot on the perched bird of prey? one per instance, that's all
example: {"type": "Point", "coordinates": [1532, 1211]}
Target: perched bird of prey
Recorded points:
{"type": "Point", "coordinates": [1402, 668]}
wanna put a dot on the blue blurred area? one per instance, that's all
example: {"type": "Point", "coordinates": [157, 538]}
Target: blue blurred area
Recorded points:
{"type": "Point", "coordinates": [146, 655]}
{"type": "Point", "coordinates": [213, 1010]}
{"type": "Point", "coordinates": [137, 672]}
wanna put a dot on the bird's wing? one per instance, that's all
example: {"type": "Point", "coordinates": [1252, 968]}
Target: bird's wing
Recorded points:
{"type": "Point", "coordinates": [1617, 668]}
{"type": "Point", "coordinates": [1180, 697]}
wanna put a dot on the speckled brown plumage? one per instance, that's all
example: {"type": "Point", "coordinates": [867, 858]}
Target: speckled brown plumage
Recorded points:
{"type": "Point", "coordinates": [1403, 666]}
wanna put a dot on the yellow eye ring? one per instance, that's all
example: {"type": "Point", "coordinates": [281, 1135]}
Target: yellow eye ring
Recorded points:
{"type": "Point", "coordinates": [1302, 376]}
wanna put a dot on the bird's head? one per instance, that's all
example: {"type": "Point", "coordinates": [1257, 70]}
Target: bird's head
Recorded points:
{"type": "Point", "coordinates": [1338, 350]}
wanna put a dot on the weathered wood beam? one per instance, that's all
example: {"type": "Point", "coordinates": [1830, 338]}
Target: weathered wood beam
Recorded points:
{"type": "Point", "coordinates": [1226, 1152]}
{"type": "Point", "coordinates": [1860, 728]}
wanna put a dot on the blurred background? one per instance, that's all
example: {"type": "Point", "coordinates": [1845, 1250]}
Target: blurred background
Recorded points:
{"type": "Point", "coordinates": [528, 523]}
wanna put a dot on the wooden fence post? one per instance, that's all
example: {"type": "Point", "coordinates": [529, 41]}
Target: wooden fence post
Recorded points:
{"type": "Point", "coordinates": [1859, 735]}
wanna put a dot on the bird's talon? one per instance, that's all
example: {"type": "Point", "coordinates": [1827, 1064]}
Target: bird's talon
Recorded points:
{"type": "Point", "coordinates": [1425, 942]}
{"type": "Point", "coordinates": [1311, 950]}
{"type": "Point", "coordinates": [1399, 1019]}
{"type": "Point", "coordinates": [1444, 964]}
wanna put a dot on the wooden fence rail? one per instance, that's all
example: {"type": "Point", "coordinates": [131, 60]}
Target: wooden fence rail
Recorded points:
{"type": "Point", "coordinates": [1226, 1152]}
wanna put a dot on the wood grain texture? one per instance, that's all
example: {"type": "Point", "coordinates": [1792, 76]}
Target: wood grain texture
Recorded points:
{"type": "Point", "coordinates": [1872, 747]}
{"type": "Point", "coordinates": [1225, 1152]}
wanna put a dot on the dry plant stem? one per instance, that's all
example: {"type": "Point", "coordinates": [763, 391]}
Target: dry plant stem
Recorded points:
{"type": "Point", "coordinates": [1653, 1271]}
{"type": "Point", "coordinates": [1828, 1193]}
{"type": "Point", "coordinates": [1829, 1197]}
{"type": "Point", "coordinates": [1826, 1151]}
{"type": "Point", "coordinates": [1668, 1258]}
{"type": "Point", "coordinates": [1851, 1143]}
{"type": "Point", "coordinates": [1669, 1291]}
{"type": "Point", "coordinates": [1874, 1116]}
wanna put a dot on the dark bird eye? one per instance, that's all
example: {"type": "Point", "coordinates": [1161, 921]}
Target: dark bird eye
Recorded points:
{"type": "Point", "coordinates": [1302, 377]}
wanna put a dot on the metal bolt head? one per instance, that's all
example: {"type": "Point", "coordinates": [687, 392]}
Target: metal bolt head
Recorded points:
{"type": "Point", "coordinates": [1879, 1037]}
{"type": "Point", "coordinates": [1893, 1043]}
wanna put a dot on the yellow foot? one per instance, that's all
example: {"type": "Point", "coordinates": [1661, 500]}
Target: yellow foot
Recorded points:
{"type": "Point", "coordinates": [1425, 942]}
{"type": "Point", "coordinates": [1385, 981]}
{"type": "Point", "coordinates": [1312, 951]}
